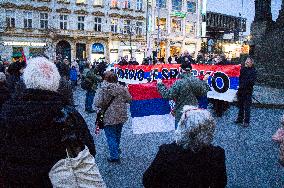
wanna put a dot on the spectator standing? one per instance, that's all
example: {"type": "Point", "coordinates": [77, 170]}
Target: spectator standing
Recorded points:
{"type": "Point", "coordinates": [246, 82]}
{"type": "Point", "coordinates": [116, 97]}
{"type": "Point", "coordinates": [73, 76]}
{"type": "Point", "coordinates": [14, 82]}
{"type": "Point", "coordinates": [279, 138]}
{"type": "Point", "coordinates": [31, 129]}
{"type": "Point", "coordinates": [64, 69]}
{"type": "Point", "coordinates": [192, 160]}
{"type": "Point", "coordinates": [4, 92]}
{"type": "Point", "coordinates": [184, 91]}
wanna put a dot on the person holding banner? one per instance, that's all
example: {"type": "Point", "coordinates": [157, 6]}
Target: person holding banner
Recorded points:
{"type": "Point", "coordinates": [184, 91]}
{"type": "Point", "coordinates": [244, 94]}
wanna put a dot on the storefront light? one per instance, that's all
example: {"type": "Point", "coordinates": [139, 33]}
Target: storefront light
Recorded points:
{"type": "Point", "coordinates": [11, 43]}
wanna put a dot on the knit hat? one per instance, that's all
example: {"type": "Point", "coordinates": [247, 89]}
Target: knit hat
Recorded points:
{"type": "Point", "coordinates": [2, 77]}
{"type": "Point", "coordinates": [186, 66]}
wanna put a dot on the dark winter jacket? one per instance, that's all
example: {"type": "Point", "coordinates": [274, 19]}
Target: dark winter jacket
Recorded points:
{"type": "Point", "coordinates": [73, 74]}
{"type": "Point", "coordinates": [65, 89]}
{"type": "Point", "coordinates": [4, 94]}
{"type": "Point", "coordinates": [31, 138]}
{"type": "Point", "coordinates": [15, 84]}
{"type": "Point", "coordinates": [175, 167]}
{"type": "Point", "coordinates": [64, 70]}
{"type": "Point", "coordinates": [246, 81]}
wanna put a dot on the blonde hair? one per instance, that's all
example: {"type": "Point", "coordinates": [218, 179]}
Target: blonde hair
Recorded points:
{"type": "Point", "coordinates": [40, 73]}
{"type": "Point", "coordinates": [195, 129]}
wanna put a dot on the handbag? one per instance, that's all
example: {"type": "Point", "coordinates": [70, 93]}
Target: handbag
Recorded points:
{"type": "Point", "coordinates": [101, 114]}
{"type": "Point", "coordinates": [279, 135]}
{"type": "Point", "coordinates": [80, 171]}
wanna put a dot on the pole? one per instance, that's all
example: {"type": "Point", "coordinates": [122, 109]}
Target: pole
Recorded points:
{"type": "Point", "coordinates": [147, 23]}
{"type": "Point", "coordinates": [130, 33]}
{"type": "Point", "coordinates": [241, 14]}
{"type": "Point", "coordinates": [158, 37]}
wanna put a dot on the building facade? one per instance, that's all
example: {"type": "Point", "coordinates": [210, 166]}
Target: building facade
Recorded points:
{"type": "Point", "coordinates": [176, 26]}
{"type": "Point", "coordinates": [74, 29]}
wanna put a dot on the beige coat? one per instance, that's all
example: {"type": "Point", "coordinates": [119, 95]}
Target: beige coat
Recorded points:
{"type": "Point", "coordinates": [117, 111]}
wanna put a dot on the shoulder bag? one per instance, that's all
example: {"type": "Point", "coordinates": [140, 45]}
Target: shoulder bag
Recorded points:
{"type": "Point", "coordinates": [101, 114]}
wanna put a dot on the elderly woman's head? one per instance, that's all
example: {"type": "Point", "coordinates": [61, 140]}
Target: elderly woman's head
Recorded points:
{"type": "Point", "coordinates": [195, 129]}
{"type": "Point", "coordinates": [40, 73]}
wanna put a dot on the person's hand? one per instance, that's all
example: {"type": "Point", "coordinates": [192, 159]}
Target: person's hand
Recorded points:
{"type": "Point", "coordinates": [206, 76]}
{"type": "Point", "coordinates": [159, 81]}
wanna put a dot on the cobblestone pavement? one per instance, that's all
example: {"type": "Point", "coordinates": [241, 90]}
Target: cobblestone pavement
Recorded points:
{"type": "Point", "coordinates": [251, 156]}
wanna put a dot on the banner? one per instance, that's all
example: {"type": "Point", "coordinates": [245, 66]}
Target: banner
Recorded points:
{"type": "Point", "coordinates": [224, 79]}
{"type": "Point", "coordinates": [149, 111]}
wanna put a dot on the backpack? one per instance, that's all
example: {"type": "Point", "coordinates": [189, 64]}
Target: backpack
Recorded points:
{"type": "Point", "coordinates": [86, 83]}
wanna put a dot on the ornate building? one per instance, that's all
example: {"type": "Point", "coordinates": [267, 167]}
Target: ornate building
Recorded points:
{"type": "Point", "coordinates": [267, 44]}
{"type": "Point", "coordinates": [76, 29]}
{"type": "Point", "coordinates": [176, 26]}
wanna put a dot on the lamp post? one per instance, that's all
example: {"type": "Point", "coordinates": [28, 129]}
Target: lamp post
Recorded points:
{"type": "Point", "coordinates": [130, 32]}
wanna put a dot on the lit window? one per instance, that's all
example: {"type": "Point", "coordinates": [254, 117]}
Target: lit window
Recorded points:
{"type": "Point", "coordinates": [98, 2]}
{"type": "Point", "coordinates": [114, 3]}
{"type": "Point", "coordinates": [63, 20]}
{"type": "Point", "coordinates": [98, 24]}
{"type": "Point", "coordinates": [28, 19]}
{"type": "Point", "coordinates": [176, 25]}
{"type": "Point", "coordinates": [114, 25]}
{"type": "Point", "coordinates": [139, 5]}
{"type": "Point", "coordinates": [10, 18]}
{"type": "Point", "coordinates": [43, 19]}
{"type": "Point", "coordinates": [191, 7]}
{"type": "Point", "coordinates": [163, 23]}
{"type": "Point", "coordinates": [81, 23]}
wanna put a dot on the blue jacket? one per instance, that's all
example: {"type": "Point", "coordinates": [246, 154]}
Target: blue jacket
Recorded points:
{"type": "Point", "coordinates": [73, 74]}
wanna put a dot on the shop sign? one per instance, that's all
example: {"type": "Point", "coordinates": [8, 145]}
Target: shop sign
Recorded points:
{"type": "Point", "coordinates": [113, 50]}
{"type": "Point", "coordinates": [11, 43]}
{"type": "Point", "coordinates": [97, 48]}
{"type": "Point", "coordinates": [179, 14]}
{"type": "Point", "coordinates": [178, 43]}
{"type": "Point", "coordinates": [189, 43]}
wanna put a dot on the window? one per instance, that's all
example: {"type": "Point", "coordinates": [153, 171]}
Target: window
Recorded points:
{"type": "Point", "coordinates": [126, 24]}
{"type": "Point", "coordinates": [161, 3]}
{"type": "Point", "coordinates": [28, 19]}
{"type": "Point", "coordinates": [98, 2]}
{"type": "Point", "coordinates": [80, 1]}
{"type": "Point", "coordinates": [10, 18]}
{"type": "Point", "coordinates": [126, 4]}
{"type": "Point", "coordinates": [139, 5]}
{"type": "Point", "coordinates": [114, 3]}
{"type": "Point", "coordinates": [114, 25]}
{"type": "Point", "coordinates": [163, 23]}
{"type": "Point", "coordinates": [98, 24]}
{"type": "Point", "coordinates": [191, 6]}
{"type": "Point", "coordinates": [176, 5]}
{"type": "Point", "coordinates": [139, 28]}
{"type": "Point", "coordinates": [81, 24]}
{"type": "Point", "coordinates": [63, 20]}
{"type": "Point", "coordinates": [43, 20]}
{"type": "Point", "coordinates": [176, 25]}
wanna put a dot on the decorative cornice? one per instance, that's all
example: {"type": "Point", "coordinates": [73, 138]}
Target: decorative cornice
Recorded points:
{"type": "Point", "coordinates": [63, 10]}
{"type": "Point", "coordinates": [140, 18]}
{"type": "Point", "coordinates": [8, 5]}
{"type": "Point", "coordinates": [114, 8]}
{"type": "Point", "coordinates": [26, 7]}
{"type": "Point", "coordinates": [98, 6]}
{"type": "Point", "coordinates": [127, 9]}
{"type": "Point", "coordinates": [28, 29]}
{"type": "Point", "coordinates": [141, 11]}
{"type": "Point", "coordinates": [115, 15]}
{"type": "Point", "coordinates": [63, 2]}
{"type": "Point", "coordinates": [81, 4]}
{"type": "Point", "coordinates": [98, 13]}
{"type": "Point", "coordinates": [128, 16]}
{"type": "Point", "coordinates": [81, 12]}
{"type": "Point", "coordinates": [43, 0]}
{"type": "Point", "coordinates": [44, 8]}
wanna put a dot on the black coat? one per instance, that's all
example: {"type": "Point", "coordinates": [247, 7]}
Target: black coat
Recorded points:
{"type": "Point", "coordinates": [31, 138]}
{"type": "Point", "coordinates": [4, 94]}
{"type": "Point", "coordinates": [246, 81]}
{"type": "Point", "coordinates": [175, 167]}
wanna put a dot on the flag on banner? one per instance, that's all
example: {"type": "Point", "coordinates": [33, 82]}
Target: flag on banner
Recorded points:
{"type": "Point", "coordinates": [149, 111]}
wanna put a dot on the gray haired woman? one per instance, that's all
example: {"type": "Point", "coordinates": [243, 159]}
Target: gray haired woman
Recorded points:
{"type": "Point", "coordinates": [192, 160]}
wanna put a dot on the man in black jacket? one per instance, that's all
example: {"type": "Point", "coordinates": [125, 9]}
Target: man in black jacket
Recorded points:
{"type": "Point", "coordinates": [244, 94]}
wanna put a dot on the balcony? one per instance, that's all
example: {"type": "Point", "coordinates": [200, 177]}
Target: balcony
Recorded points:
{"type": "Point", "coordinates": [98, 6]}
{"type": "Point", "coordinates": [81, 4]}
{"type": "Point", "coordinates": [115, 8]}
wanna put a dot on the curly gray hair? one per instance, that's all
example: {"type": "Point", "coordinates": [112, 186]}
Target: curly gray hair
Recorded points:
{"type": "Point", "coordinates": [195, 129]}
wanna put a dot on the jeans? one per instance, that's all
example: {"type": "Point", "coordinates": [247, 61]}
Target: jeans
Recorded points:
{"type": "Point", "coordinates": [244, 104]}
{"type": "Point", "coordinates": [89, 100]}
{"type": "Point", "coordinates": [113, 134]}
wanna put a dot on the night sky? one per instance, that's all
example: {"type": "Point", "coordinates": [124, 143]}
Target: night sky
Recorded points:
{"type": "Point", "coordinates": [234, 7]}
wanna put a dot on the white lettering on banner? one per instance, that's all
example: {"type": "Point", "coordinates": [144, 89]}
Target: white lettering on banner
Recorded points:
{"type": "Point", "coordinates": [11, 43]}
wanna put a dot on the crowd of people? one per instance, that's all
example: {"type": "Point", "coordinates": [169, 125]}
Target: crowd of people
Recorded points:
{"type": "Point", "coordinates": [39, 124]}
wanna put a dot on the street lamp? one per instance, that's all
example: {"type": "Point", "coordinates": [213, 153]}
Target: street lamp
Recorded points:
{"type": "Point", "coordinates": [130, 30]}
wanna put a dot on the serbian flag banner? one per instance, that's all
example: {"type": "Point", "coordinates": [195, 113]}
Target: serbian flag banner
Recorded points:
{"type": "Point", "coordinates": [149, 111]}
